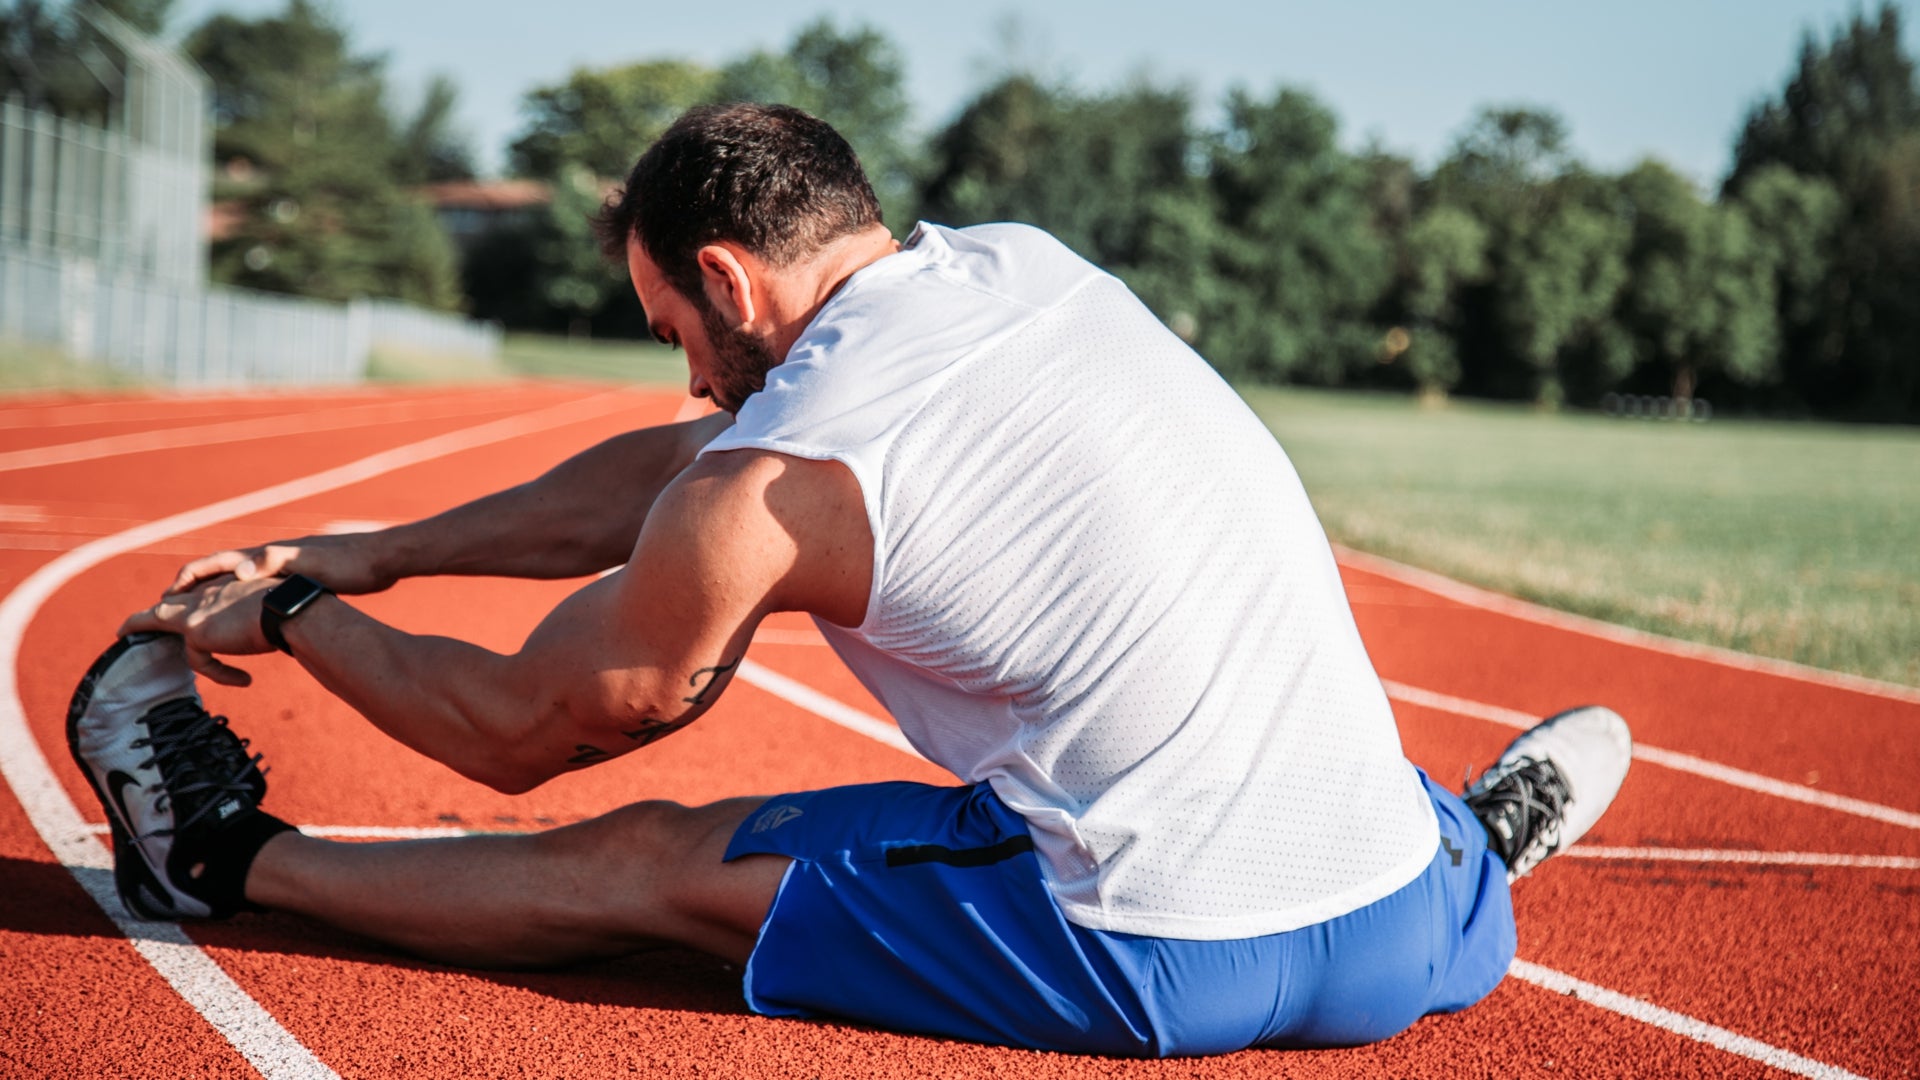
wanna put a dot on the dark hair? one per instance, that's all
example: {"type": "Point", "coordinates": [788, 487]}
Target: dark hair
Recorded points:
{"type": "Point", "coordinates": [770, 178]}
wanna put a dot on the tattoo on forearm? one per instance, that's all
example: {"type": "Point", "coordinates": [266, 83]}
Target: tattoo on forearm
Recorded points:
{"type": "Point", "coordinates": [714, 675]}
{"type": "Point", "coordinates": [587, 755]}
{"type": "Point", "coordinates": [653, 730]}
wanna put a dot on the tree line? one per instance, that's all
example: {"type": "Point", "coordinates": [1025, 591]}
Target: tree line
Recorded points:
{"type": "Point", "coordinates": [1510, 269]}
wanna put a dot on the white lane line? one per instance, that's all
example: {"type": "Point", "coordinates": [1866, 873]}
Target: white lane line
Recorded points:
{"type": "Point", "coordinates": [691, 409]}
{"type": "Point", "coordinates": [1743, 856]}
{"type": "Point", "coordinates": [253, 1031]}
{"type": "Point", "coordinates": [1672, 759]}
{"type": "Point", "coordinates": [821, 705]}
{"type": "Point", "coordinates": [355, 832]}
{"type": "Point", "coordinates": [257, 427]}
{"type": "Point", "coordinates": [1678, 1023]}
{"type": "Point", "coordinates": [1487, 600]}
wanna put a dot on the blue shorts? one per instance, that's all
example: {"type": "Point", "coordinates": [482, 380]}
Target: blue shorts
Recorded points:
{"type": "Point", "coordinates": [924, 909]}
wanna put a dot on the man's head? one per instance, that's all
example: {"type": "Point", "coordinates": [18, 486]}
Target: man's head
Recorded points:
{"type": "Point", "coordinates": [768, 188]}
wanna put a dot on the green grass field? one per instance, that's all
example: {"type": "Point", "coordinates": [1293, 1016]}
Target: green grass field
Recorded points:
{"type": "Point", "coordinates": [1799, 541]}
{"type": "Point", "coordinates": [28, 368]}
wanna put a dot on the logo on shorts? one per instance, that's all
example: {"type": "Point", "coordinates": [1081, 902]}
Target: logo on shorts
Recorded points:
{"type": "Point", "coordinates": [775, 816]}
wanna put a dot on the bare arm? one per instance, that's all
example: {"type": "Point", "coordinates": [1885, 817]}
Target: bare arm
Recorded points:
{"type": "Point", "coordinates": [627, 659]}
{"type": "Point", "coordinates": [580, 517]}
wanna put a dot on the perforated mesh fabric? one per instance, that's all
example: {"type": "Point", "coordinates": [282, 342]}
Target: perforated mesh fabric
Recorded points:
{"type": "Point", "coordinates": [1099, 585]}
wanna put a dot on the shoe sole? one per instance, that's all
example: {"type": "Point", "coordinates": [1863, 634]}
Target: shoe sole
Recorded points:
{"type": "Point", "coordinates": [130, 869]}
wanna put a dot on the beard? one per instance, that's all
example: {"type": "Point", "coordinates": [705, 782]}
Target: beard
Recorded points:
{"type": "Point", "coordinates": [740, 361]}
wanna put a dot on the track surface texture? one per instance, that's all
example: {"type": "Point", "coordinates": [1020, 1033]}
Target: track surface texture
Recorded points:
{"type": "Point", "coordinates": [1749, 907]}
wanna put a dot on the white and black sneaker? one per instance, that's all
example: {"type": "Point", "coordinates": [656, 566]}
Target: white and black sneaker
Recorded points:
{"type": "Point", "coordinates": [181, 793]}
{"type": "Point", "coordinates": [1551, 785]}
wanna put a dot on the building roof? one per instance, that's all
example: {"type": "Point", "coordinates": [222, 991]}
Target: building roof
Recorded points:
{"type": "Point", "coordinates": [488, 194]}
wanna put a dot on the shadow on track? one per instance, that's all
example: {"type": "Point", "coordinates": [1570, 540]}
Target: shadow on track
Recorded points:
{"type": "Point", "coordinates": [42, 899]}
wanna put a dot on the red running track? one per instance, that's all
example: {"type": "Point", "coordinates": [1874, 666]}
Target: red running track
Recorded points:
{"type": "Point", "coordinates": [1750, 906]}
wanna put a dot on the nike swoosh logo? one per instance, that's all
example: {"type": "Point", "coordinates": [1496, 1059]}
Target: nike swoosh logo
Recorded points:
{"type": "Point", "coordinates": [117, 783]}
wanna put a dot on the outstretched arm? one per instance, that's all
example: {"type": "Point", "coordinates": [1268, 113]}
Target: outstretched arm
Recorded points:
{"type": "Point", "coordinates": [580, 517]}
{"type": "Point", "coordinates": [627, 659]}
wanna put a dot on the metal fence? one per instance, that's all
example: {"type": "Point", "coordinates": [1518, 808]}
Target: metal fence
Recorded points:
{"type": "Point", "coordinates": [130, 195]}
{"type": "Point", "coordinates": [201, 337]}
{"type": "Point", "coordinates": [103, 252]}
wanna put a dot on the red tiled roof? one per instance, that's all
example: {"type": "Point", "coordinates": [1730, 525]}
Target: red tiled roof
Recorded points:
{"type": "Point", "coordinates": [488, 194]}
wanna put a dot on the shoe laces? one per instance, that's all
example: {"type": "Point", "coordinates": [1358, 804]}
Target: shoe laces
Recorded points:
{"type": "Point", "coordinates": [1522, 804]}
{"type": "Point", "coordinates": [200, 761]}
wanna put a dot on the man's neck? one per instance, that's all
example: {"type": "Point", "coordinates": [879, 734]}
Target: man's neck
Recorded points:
{"type": "Point", "coordinates": [801, 291]}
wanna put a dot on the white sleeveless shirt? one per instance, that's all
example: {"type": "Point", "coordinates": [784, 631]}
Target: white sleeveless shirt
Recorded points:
{"type": "Point", "coordinates": [1098, 586]}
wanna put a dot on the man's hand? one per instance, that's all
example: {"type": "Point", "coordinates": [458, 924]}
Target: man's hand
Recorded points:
{"type": "Point", "coordinates": [344, 564]}
{"type": "Point", "coordinates": [220, 615]}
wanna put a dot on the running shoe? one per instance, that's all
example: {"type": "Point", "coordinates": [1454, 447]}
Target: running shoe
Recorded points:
{"type": "Point", "coordinates": [180, 791]}
{"type": "Point", "coordinates": [1551, 785]}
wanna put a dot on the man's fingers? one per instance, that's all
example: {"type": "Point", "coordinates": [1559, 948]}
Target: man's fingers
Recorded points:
{"type": "Point", "coordinates": [207, 566]}
{"type": "Point", "coordinates": [225, 674]}
{"type": "Point", "coordinates": [139, 621]}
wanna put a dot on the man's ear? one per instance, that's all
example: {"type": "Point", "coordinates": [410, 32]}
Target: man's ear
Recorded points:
{"type": "Point", "coordinates": [730, 288]}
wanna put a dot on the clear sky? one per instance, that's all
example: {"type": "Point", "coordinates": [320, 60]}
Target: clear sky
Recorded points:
{"type": "Point", "coordinates": [1668, 78]}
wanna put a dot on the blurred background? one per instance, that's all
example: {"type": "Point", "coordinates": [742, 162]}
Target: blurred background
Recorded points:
{"type": "Point", "coordinates": [1548, 243]}
{"type": "Point", "coordinates": [1719, 204]}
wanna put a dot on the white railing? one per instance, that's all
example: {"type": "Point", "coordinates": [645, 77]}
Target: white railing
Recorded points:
{"type": "Point", "coordinates": [181, 335]}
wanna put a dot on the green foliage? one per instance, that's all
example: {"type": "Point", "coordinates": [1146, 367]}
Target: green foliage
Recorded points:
{"type": "Point", "coordinates": [1297, 247]}
{"type": "Point", "coordinates": [1850, 117]}
{"type": "Point", "coordinates": [852, 79]}
{"type": "Point", "coordinates": [428, 149]}
{"type": "Point", "coordinates": [1095, 171]}
{"type": "Point", "coordinates": [1701, 291]}
{"type": "Point", "coordinates": [602, 119]}
{"type": "Point", "coordinates": [1443, 252]}
{"type": "Point", "coordinates": [54, 62]}
{"type": "Point", "coordinates": [327, 216]}
{"type": "Point", "coordinates": [1556, 254]}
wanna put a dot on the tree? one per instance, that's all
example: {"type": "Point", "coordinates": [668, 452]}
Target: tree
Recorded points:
{"type": "Point", "coordinates": [1556, 254]}
{"type": "Point", "coordinates": [1850, 116]}
{"type": "Point", "coordinates": [1444, 252]}
{"type": "Point", "coordinates": [325, 216]}
{"type": "Point", "coordinates": [53, 62]}
{"type": "Point", "coordinates": [854, 80]}
{"type": "Point", "coordinates": [1700, 295]}
{"type": "Point", "coordinates": [1084, 168]}
{"type": "Point", "coordinates": [601, 120]}
{"type": "Point", "coordinates": [1297, 244]}
{"type": "Point", "coordinates": [429, 150]}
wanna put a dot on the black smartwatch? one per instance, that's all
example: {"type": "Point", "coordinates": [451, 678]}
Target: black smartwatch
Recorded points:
{"type": "Point", "coordinates": [283, 602]}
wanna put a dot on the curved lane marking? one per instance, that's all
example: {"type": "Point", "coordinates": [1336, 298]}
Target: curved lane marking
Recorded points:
{"type": "Point", "coordinates": [1678, 1023]}
{"type": "Point", "coordinates": [255, 427]}
{"type": "Point", "coordinates": [253, 1031]}
{"type": "Point", "coordinates": [1672, 759]}
{"type": "Point", "coordinates": [1500, 603]}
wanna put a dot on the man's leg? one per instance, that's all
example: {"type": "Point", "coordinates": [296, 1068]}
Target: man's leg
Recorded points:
{"type": "Point", "coordinates": [643, 874]}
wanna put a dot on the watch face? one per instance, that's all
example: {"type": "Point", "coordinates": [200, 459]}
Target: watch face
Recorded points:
{"type": "Point", "coordinates": [288, 597]}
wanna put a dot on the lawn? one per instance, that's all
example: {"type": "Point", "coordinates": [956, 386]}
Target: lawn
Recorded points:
{"type": "Point", "coordinates": [1799, 541]}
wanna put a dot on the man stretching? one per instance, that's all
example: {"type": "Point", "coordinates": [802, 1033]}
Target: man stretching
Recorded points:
{"type": "Point", "coordinates": [1060, 551]}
